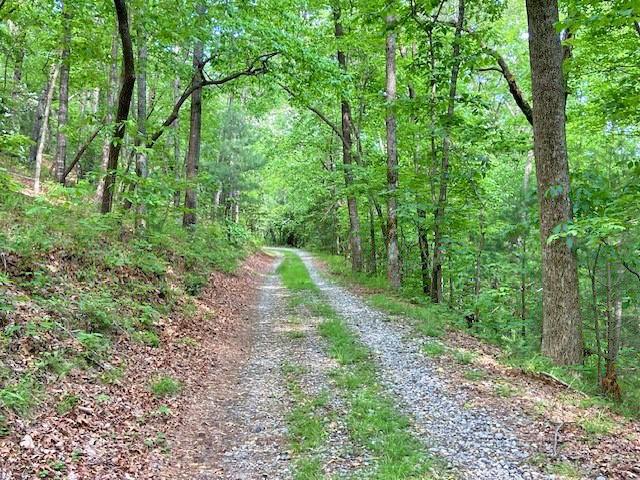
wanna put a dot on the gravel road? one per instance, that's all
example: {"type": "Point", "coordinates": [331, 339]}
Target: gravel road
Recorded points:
{"type": "Point", "coordinates": [470, 438]}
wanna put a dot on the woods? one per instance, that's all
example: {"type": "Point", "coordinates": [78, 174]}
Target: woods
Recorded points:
{"type": "Point", "coordinates": [476, 158]}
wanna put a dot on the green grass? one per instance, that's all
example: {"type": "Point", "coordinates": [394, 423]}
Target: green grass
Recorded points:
{"type": "Point", "coordinates": [306, 422]}
{"type": "Point", "coordinates": [164, 386]}
{"type": "Point", "coordinates": [475, 375]}
{"type": "Point", "coordinates": [434, 349]}
{"type": "Point", "coordinates": [67, 403]}
{"type": "Point", "coordinates": [373, 421]}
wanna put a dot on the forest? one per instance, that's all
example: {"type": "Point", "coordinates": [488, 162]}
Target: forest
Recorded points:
{"type": "Point", "coordinates": [473, 165]}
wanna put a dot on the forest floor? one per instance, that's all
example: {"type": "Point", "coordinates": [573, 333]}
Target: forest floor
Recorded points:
{"type": "Point", "coordinates": [285, 401]}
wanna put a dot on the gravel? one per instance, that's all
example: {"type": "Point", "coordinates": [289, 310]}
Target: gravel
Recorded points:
{"type": "Point", "coordinates": [476, 443]}
{"type": "Point", "coordinates": [260, 449]}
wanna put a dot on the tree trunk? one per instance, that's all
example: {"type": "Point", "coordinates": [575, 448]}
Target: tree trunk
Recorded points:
{"type": "Point", "coordinates": [438, 253]}
{"type": "Point", "coordinates": [44, 127]}
{"type": "Point", "coordinates": [141, 156]}
{"type": "Point", "coordinates": [110, 104]}
{"type": "Point", "coordinates": [38, 121]}
{"type": "Point", "coordinates": [596, 314]}
{"type": "Point", "coordinates": [63, 100]}
{"type": "Point", "coordinates": [373, 258]}
{"type": "Point", "coordinates": [124, 104]}
{"type": "Point", "coordinates": [193, 153]}
{"type": "Point", "coordinates": [561, 323]}
{"type": "Point", "coordinates": [393, 253]}
{"type": "Point", "coordinates": [610, 384]}
{"type": "Point", "coordinates": [523, 242]}
{"type": "Point", "coordinates": [177, 158]}
{"type": "Point", "coordinates": [478, 276]}
{"type": "Point", "coordinates": [352, 204]}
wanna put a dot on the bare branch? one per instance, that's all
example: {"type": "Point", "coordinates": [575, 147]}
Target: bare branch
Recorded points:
{"type": "Point", "coordinates": [320, 115]}
{"type": "Point", "coordinates": [81, 151]}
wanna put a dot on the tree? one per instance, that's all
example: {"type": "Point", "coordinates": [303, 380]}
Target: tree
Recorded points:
{"type": "Point", "coordinates": [124, 104]}
{"type": "Point", "coordinates": [63, 101]}
{"type": "Point", "coordinates": [193, 152]}
{"type": "Point", "coordinates": [393, 253]}
{"type": "Point", "coordinates": [347, 155]}
{"type": "Point", "coordinates": [561, 323]}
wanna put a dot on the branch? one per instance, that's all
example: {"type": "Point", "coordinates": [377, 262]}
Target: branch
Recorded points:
{"type": "Point", "coordinates": [257, 67]}
{"type": "Point", "coordinates": [516, 93]}
{"type": "Point", "coordinates": [631, 270]}
{"type": "Point", "coordinates": [637, 26]}
{"type": "Point", "coordinates": [83, 149]}
{"type": "Point", "coordinates": [320, 115]}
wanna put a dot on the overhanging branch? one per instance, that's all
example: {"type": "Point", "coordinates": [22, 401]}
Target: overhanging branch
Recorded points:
{"type": "Point", "coordinates": [258, 66]}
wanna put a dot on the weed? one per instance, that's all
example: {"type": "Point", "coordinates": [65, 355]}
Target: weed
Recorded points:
{"type": "Point", "coordinates": [147, 337]}
{"type": "Point", "coordinates": [112, 375]}
{"type": "Point", "coordinates": [295, 334]}
{"type": "Point", "coordinates": [20, 396]}
{"type": "Point", "coordinates": [433, 349]}
{"type": "Point", "coordinates": [565, 470]}
{"type": "Point", "coordinates": [597, 425]}
{"type": "Point", "coordinates": [67, 403]}
{"type": "Point", "coordinates": [505, 390]}
{"type": "Point", "coordinates": [464, 357]}
{"type": "Point", "coordinates": [163, 412]}
{"type": "Point", "coordinates": [164, 386]}
{"type": "Point", "coordinates": [308, 469]}
{"type": "Point", "coordinates": [475, 375]}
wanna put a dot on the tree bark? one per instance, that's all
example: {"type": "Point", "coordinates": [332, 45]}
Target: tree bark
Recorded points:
{"type": "Point", "coordinates": [124, 104]}
{"type": "Point", "coordinates": [347, 158]}
{"type": "Point", "coordinates": [63, 108]}
{"type": "Point", "coordinates": [561, 323]}
{"type": "Point", "coordinates": [438, 253]}
{"type": "Point", "coordinates": [193, 154]}
{"type": "Point", "coordinates": [112, 82]}
{"type": "Point", "coordinates": [177, 158]}
{"type": "Point", "coordinates": [610, 384]}
{"type": "Point", "coordinates": [393, 253]}
{"type": "Point", "coordinates": [44, 127]}
{"type": "Point", "coordinates": [38, 120]}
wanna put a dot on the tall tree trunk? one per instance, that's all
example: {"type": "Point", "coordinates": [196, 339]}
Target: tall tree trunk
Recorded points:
{"type": "Point", "coordinates": [141, 97]}
{"type": "Point", "coordinates": [373, 258]}
{"type": "Point", "coordinates": [595, 311]}
{"type": "Point", "coordinates": [193, 153]}
{"type": "Point", "coordinates": [39, 117]}
{"type": "Point", "coordinates": [393, 253]}
{"type": "Point", "coordinates": [561, 323]}
{"type": "Point", "coordinates": [477, 282]}
{"type": "Point", "coordinates": [352, 204]}
{"type": "Point", "coordinates": [44, 127]}
{"type": "Point", "coordinates": [124, 104]}
{"type": "Point", "coordinates": [63, 100]}
{"type": "Point", "coordinates": [112, 84]}
{"type": "Point", "coordinates": [177, 158]}
{"type": "Point", "coordinates": [610, 384]}
{"type": "Point", "coordinates": [438, 253]}
{"type": "Point", "coordinates": [523, 242]}
{"type": "Point", "coordinates": [421, 213]}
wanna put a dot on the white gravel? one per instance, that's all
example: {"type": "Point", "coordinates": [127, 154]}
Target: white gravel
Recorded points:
{"type": "Point", "coordinates": [479, 445]}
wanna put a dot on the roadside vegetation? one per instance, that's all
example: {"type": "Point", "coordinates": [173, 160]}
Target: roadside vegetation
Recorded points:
{"type": "Point", "coordinates": [83, 294]}
{"type": "Point", "coordinates": [434, 320]}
